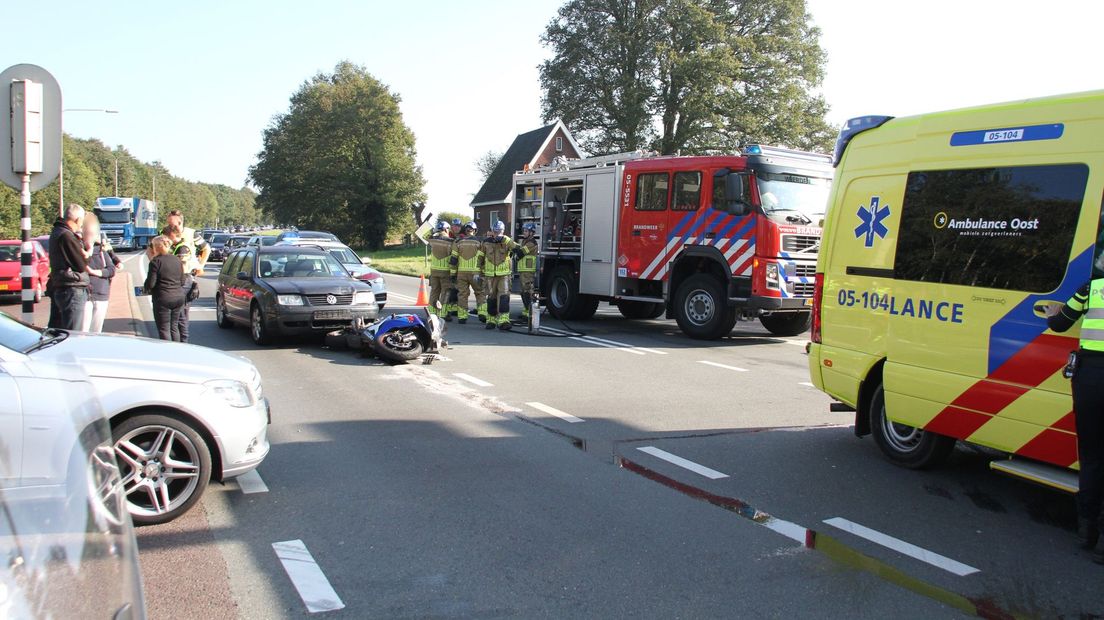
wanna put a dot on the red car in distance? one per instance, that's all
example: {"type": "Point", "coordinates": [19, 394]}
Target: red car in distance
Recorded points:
{"type": "Point", "coordinates": [11, 283]}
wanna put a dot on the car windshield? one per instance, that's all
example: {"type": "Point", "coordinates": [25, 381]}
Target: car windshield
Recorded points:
{"type": "Point", "coordinates": [800, 199]}
{"type": "Point", "coordinates": [17, 336]}
{"type": "Point", "coordinates": [268, 240]}
{"type": "Point", "coordinates": [113, 217]}
{"type": "Point", "coordinates": [345, 256]}
{"type": "Point", "coordinates": [299, 265]}
{"type": "Point", "coordinates": [9, 253]}
{"type": "Point", "coordinates": [219, 238]}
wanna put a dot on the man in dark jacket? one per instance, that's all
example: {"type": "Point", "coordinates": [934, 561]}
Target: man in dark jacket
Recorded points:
{"type": "Point", "coordinates": [68, 283]}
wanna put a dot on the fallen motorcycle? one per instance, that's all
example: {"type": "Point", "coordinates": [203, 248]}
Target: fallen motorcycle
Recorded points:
{"type": "Point", "coordinates": [395, 337]}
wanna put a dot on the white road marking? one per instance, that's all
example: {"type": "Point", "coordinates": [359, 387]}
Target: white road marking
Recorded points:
{"type": "Point", "coordinates": [807, 384]}
{"type": "Point", "coordinates": [799, 343]}
{"type": "Point", "coordinates": [472, 380]}
{"type": "Point", "coordinates": [556, 412]}
{"type": "Point", "coordinates": [400, 297]}
{"type": "Point", "coordinates": [788, 529]}
{"type": "Point", "coordinates": [702, 470]}
{"type": "Point", "coordinates": [608, 346]}
{"type": "Point", "coordinates": [902, 547]}
{"type": "Point", "coordinates": [309, 580]}
{"type": "Point", "coordinates": [251, 482]}
{"type": "Point", "coordinates": [624, 344]}
{"type": "Point", "coordinates": [725, 366]}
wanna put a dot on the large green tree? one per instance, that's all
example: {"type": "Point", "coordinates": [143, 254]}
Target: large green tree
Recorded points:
{"type": "Point", "coordinates": [690, 76]}
{"type": "Point", "coordinates": [341, 160]}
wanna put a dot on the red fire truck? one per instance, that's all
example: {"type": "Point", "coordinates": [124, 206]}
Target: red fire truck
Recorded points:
{"type": "Point", "coordinates": [704, 240]}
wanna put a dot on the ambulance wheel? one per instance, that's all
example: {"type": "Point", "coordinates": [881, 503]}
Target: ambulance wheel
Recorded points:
{"type": "Point", "coordinates": [564, 299]}
{"type": "Point", "coordinates": [905, 445]}
{"type": "Point", "coordinates": [640, 309]}
{"type": "Point", "coordinates": [787, 323]}
{"type": "Point", "coordinates": [701, 308]}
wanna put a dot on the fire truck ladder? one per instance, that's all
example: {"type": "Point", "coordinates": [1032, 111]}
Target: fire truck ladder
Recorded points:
{"type": "Point", "coordinates": [561, 164]}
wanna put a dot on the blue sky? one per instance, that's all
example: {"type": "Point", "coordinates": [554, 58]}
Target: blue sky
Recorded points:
{"type": "Point", "coordinates": [196, 82]}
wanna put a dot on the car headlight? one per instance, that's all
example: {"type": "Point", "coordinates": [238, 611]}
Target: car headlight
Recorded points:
{"type": "Point", "coordinates": [366, 297]}
{"type": "Point", "coordinates": [289, 300]}
{"type": "Point", "coordinates": [772, 275]}
{"type": "Point", "coordinates": [235, 393]}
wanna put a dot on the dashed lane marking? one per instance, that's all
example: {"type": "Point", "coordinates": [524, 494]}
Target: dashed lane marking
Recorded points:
{"type": "Point", "coordinates": [399, 296]}
{"type": "Point", "coordinates": [608, 346]}
{"type": "Point", "coordinates": [556, 412]}
{"type": "Point", "coordinates": [902, 547]}
{"type": "Point", "coordinates": [674, 459]}
{"type": "Point", "coordinates": [309, 580]}
{"type": "Point", "coordinates": [623, 344]}
{"type": "Point", "coordinates": [472, 380]}
{"type": "Point", "coordinates": [725, 366]}
{"type": "Point", "coordinates": [251, 482]}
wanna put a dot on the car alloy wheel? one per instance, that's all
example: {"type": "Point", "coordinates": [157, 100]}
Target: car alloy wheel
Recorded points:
{"type": "Point", "coordinates": [165, 466]}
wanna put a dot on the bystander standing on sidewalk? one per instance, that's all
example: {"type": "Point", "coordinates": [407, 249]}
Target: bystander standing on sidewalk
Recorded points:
{"type": "Point", "coordinates": [193, 250]}
{"type": "Point", "coordinates": [163, 282]}
{"type": "Point", "coordinates": [69, 271]}
{"type": "Point", "coordinates": [103, 258]}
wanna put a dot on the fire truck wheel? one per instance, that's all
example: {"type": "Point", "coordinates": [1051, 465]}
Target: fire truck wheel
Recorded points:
{"type": "Point", "coordinates": [563, 298]}
{"type": "Point", "coordinates": [701, 308]}
{"type": "Point", "coordinates": [905, 445]}
{"type": "Point", "coordinates": [640, 309]}
{"type": "Point", "coordinates": [787, 324]}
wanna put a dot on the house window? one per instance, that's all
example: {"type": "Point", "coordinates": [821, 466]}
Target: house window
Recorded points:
{"type": "Point", "coordinates": [494, 218]}
{"type": "Point", "coordinates": [559, 144]}
{"type": "Point", "coordinates": [478, 216]}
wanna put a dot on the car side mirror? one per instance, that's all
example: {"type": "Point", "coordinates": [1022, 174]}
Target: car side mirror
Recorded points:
{"type": "Point", "coordinates": [735, 190]}
{"type": "Point", "coordinates": [243, 276]}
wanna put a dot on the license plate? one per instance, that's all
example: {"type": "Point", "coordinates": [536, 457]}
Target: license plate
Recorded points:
{"type": "Point", "coordinates": [324, 315]}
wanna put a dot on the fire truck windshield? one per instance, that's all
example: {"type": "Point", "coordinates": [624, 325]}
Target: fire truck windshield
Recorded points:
{"type": "Point", "coordinates": [795, 198]}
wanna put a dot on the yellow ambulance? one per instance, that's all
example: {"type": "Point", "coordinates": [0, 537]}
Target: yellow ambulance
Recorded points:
{"type": "Point", "coordinates": [946, 237]}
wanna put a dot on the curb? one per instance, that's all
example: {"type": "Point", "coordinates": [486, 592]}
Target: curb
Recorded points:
{"type": "Point", "coordinates": [136, 321]}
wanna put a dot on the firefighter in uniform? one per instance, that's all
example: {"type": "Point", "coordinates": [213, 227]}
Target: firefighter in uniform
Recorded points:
{"type": "Point", "coordinates": [440, 270]}
{"type": "Point", "coordinates": [1088, 401]}
{"type": "Point", "coordinates": [467, 263]}
{"type": "Point", "coordinates": [526, 255]}
{"type": "Point", "coordinates": [496, 270]}
{"type": "Point", "coordinates": [451, 307]}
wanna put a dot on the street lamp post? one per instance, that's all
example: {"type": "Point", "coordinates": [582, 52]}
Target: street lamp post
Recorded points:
{"type": "Point", "coordinates": [61, 165]}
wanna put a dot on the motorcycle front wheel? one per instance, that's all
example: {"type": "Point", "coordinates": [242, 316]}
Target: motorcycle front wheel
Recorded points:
{"type": "Point", "coordinates": [392, 345]}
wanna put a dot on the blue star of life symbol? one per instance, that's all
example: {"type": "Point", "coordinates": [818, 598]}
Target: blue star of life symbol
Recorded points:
{"type": "Point", "coordinates": [872, 221]}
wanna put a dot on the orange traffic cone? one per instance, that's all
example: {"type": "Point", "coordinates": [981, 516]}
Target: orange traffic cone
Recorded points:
{"type": "Point", "coordinates": [423, 293]}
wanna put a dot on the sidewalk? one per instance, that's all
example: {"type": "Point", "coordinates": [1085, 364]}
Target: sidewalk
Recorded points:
{"type": "Point", "coordinates": [123, 315]}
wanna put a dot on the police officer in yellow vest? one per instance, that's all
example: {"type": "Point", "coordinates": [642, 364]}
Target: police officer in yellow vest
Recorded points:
{"type": "Point", "coordinates": [496, 269]}
{"type": "Point", "coordinates": [467, 263]}
{"type": "Point", "coordinates": [526, 255]}
{"type": "Point", "coordinates": [1088, 400]}
{"type": "Point", "coordinates": [440, 270]}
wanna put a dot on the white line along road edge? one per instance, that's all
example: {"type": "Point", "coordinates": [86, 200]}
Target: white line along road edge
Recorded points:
{"type": "Point", "coordinates": [902, 547]}
{"type": "Point", "coordinates": [556, 412]}
{"type": "Point", "coordinates": [701, 470]}
{"type": "Point", "coordinates": [725, 366]}
{"type": "Point", "coordinates": [250, 482]}
{"type": "Point", "coordinates": [313, 587]}
{"type": "Point", "coordinates": [472, 380]}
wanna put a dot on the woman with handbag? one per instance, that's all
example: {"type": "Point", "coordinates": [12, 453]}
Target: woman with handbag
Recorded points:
{"type": "Point", "coordinates": [163, 282]}
{"type": "Point", "coordinates": [101, 258]}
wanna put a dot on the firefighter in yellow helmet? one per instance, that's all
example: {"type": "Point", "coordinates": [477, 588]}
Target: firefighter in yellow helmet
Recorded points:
{"type": "Point", "coordinates": [440, 270]}
{"type": "Point", "coordinates": [526, 255]}
{"type": "Point", "coordinates": [467, 263]}
{"type": "Point", "coordinates": [1086, 371]}
{"type": "Point", "coordinates": [496, 270]}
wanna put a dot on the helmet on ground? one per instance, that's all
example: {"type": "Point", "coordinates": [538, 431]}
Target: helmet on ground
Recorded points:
{"type": "Point", "coordinates": [469, 226]}
{"type": "Point", "coordinates": [499, 227]}
{"type": "Point", "coordinates": [441, 226]}
{"type": "Point", "coordinates": [529, 227]}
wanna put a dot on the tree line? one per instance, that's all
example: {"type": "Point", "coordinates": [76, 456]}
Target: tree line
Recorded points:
{"type": "Point", "coordinates": [89, 173]}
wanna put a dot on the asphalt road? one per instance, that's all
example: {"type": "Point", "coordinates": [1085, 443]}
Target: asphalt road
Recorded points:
{"type": "Point", "coordinates": [626, 472]}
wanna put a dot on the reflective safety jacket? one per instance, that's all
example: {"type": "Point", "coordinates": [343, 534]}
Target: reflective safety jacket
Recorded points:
{"type": "Point", "coordinates": [528, 262]}
{"type": "Point", "coordinates": [1087, 302]}
{"type": "Point", "coordinates": [440, 253]}
{"type": "Point", "coordinates": [496, 253]}
{"type": "Point", "coordinates": [466, 255]}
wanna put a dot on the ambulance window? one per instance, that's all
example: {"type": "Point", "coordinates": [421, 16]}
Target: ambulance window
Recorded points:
{"type": "Point", "coordinates": [651, 192]}
{"type": "Point", "coordinates": [1006, 228]}
{"type": "Point", "coordinates": [687, 191]}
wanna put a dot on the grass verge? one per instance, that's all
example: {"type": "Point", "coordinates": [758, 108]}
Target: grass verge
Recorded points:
{"type": "Point", "coordinates": [409, 261]}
